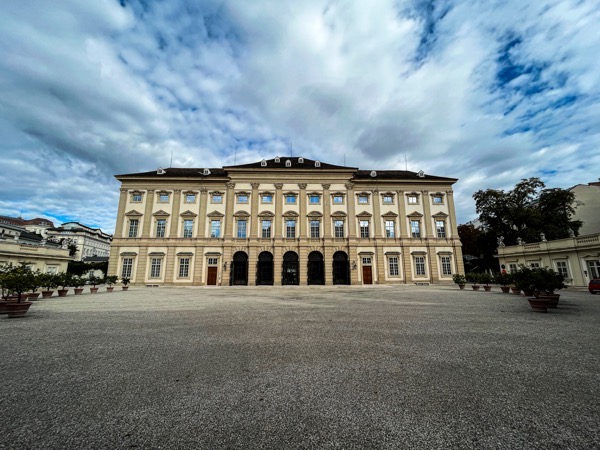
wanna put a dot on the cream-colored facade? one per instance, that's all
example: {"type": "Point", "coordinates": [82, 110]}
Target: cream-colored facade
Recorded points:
{"type": "Point", "coordinates": [577, 258]}
{"type": "Point", "coordinates": [285, 221]}
{"type": "Point", "coordinates": [588, 196]}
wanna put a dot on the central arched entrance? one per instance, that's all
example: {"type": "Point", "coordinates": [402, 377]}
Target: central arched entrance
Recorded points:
{"type": "Point", "coordinates": [239, 269]}
{"type": "Point", "coordinates": [341, 268]}
{"type": "Point", "coordinates": [290, 268]}
{"type": "Point", "coordinates": [316, 268]}
{"type": "Point", "coordinates": [264, 269]}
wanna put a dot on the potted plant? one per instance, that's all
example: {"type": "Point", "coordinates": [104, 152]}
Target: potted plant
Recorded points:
{"type": "Point", "coordinates": [547, 281]}
{"type": "Point", "coordinates": [78, 283]}
{"type": "Point", "coordinates": [460, 280]}
{"type": "Point", "coordinates": [93, 280]}
{"type": "Point", "coordinates": [37, 283]}
{"type": "Point", "coordinates": [110, 280]}
{"type": "Point", "coordinates": [64, 281]}
{"type": "Point", "coordinates": [504, 280]}
{"type": "Point", "coordinates": [48, 281]}
{"type": "Point", "coordinates": [486, 279]}
{"type": "Point", "coordinates": [17, 280]}
{"type": "Point", "coordinates": [523, 279]}
{"type": "Point", "coordinates": [125, 281]}
{"type": "Point", "coordinates": [473, 278]}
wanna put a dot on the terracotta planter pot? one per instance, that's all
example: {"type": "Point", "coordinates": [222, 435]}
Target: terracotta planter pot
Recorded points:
{"type": "Point", "coordinates": [475, 287]}
{"type": "Point", "coordinates": [127, 287]}
{"type": "Point", "coordinates": [515, 291]}
{"type": "Point", "coordinates": [14, 309]}
{"type": "Point", "coordinates": [552, 299]}
{"type": "Point", "coordinates": [62, 292]}
{"type": "Point", "coordinates": [487, 288]}
{"type": "Point", "coordinates": [3, 309]}
{"type": "Point", "coordinates": [539, 304]}
{"type": "Point", "coordinates": [34, 296]}
{"type": "Point", "coordinates": [527, 292]}
{"type": "Point", "coordinates": [505, 289]}
{"type": "Point", "coordinates": [47, 294]}
{"type": "Point", "coordinates": [109, 288]}
{"type": "Point", "coordinates": [94, 290]}
{"type": "Point", "coordinates": [78, 291]}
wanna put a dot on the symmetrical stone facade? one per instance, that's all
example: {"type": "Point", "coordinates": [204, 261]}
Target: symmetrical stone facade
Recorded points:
{"type": "Point", "coordinates": [285, 221]}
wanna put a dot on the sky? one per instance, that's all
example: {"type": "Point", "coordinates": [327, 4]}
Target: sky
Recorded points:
{"type": "Point", "coordinates": [488, 92]}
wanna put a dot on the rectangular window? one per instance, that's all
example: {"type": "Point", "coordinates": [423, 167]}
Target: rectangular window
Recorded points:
{"type": "Point", "coordinates": [216, 198]}
{"type": "Point", "coordinates": [438, 200]}
{"type": "Point", "coordinates": [163, 197]}
{"type": "Point", "coordinates": [388, 199]}
{"type": "Point", "coordinates": [213, 261]}
{"type": "Point", "coordinates": [190, 198]}
{"type": "Point", "coordinates": [267, 198]}
{"type": "Point", "coordinates": [366, 260]}
{"type": "Point", "coordinates": [364, 228]}
{"type": "Point", "coordinates": [390, 229]}
{"type": "Point", "coordinates": [415, 228]}
{"type": "Point", "coordinates": [440, 227]}
{"type": "Point", "coordinates": [314, 199]}
{"type": "Point", "coordinates": [290, 199]}
{"type": "Point", "coordinates": [534, 265]}
{"type": "Point", "coordinates": [127, 268]}
{"type": "Point", "coordinates": [315, 229]}
{"type": "Point", "coordinates": [155, 267]}
{"type": "Point", "coordinates": [393, 266]}
{"type": "Point", "coordinates": [133, 227]}
{"type": "Point", "coordinates": [136, 198]}
{"type": "Point", "coordinates": [241, 229]}
{"type": "Point", "coordinates": [420, 265]}
{"type": "Point", "coordinates": [561, 267]}
{"type": "Point", "coordinates": [242, 198]}
{"type": "Point", "coordinates": [338, 200]}
{"type": "Point", "coordinates": [290, 229]}
{"type": "Point", "coordinates": [363, 200]}
{"type": "Point", "coordinates": [446, 265]}
{"type": "Point", "coordinates": [188, 225]}
{"type": "Point", "coordinates": [413, 200]}
{"type": "Point", "coordinates": [512, 268]}
{"type": "Point", "coordinates": [215, 228]}
{"type": "Point", "coordinates": [184, 267]}
{"type": "Point", "coordinates": [161, 226]}
{"type": "Point", "coordinates": [52, 270]}
{"type": "Point", "coordinates": [338, 228]}
{"type": "Point", "coordinates": [266, 229]}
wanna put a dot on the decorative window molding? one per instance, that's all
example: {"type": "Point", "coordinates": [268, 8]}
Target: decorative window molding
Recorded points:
{"type": "Point", "coordinates": [157, 254]}
{"type": "Point", "coordinates": [266, 214]}
{"type": "Point", "coordinates": [205, 172]}
{"type": "Point", "coordinates": [188, 213]}
{"type": "Point", "coordinates": [444, 253]}
{"type": "Point", "coordinates": [440, 215]}
{"type": "Point", "coordinates": [263, 163]}
{"type": "Point", "coordinates": [392, 253]}
{"type": "Point", "coordinates": [136, 196]}
{"type": "Point", "coordinates": [301, 160]}
{"type": "Point", "coordinates": [339, 214]}
{"type": "Point", "coordinates": [161, 213]}
{"type": "Point", "coordinates": [366, 253]}
{"type": "Point", "coordinates": [418, 253]}
{"type": "Point", "coordinates": [314, 214]}
{"type": "Point", "coordinates": [128, 254]}
{"type": "Point", "coordinates": [277, 159]}
{"type": "Point", "coordinates": [215, 214]}
{"type": "Point", "coordinates": [288, 163]}
{"type": "Point", "coordinates": [415, 214]}
{"type": "Point", "coordinates": [317, 163]}
{"type": "Point", "coordinates": [390, 215]}
{"type": "Point", "coordinates": [185, 254]}
{"type": "Point", "coordinates": [290, 214]}
{"type": "Point", "coordinates": [133, 213]}
{"type": "Point", "coordinates": [241, 214]}
{"type": "Point", "coordinates": [364, 214]}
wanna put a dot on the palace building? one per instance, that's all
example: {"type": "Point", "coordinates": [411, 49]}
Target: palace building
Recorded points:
{"type": "Point", "coordinates": [285, 221]}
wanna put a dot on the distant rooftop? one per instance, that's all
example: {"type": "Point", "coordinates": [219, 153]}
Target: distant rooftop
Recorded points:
{"type": "Point", "coordinates": [20, 222]}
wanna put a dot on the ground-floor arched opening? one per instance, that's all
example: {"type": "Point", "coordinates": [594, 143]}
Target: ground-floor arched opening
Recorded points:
{"type": "Point", "coordinates": [264, 269]}
{"type": "Point", "coordinates": [290, 268]}
{"type": "Point", "coordinates": [316, 268]}
{"type": "Point", "coordinates": [239, 269]}
{"type": "Point", "coordinates": [341, 268]}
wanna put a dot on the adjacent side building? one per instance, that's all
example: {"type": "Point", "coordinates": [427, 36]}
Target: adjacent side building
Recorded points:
{"type": "Point", "coordinates": [285, 221]}
{"type": "Point", "coordinates": [90, 242]}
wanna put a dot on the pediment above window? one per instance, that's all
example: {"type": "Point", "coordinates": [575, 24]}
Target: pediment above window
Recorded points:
{"type": "Point", "coordinates": [133, 212]}
{"type": "Point", "coordinates": [128, 254]}
{"type": "Point", "coordinates": [339, 214]}
{"type": "Point", "coordinates": [415, 214]}
{"type": "Point", "coordinates": [440, 215]}
{"type": "Point", "coordinates": [418, 253]}
{"type": "Point", "coordinates": [188, 213]}
{"type": "Point", "coordinates": [364, 214]}
{"type": "Point", "coordinates": [160, 212]}
{"type": "Point", "coordinates": [266, 214]}
{"type": "Point", "coordinates": [314, 214]}
{"type": "Point", "coordinates": [390, 214]}
{"type": "Point", "coordinates": [314, 193]}
{"type": "Point", "coordinates": [446, 253]}
{"type": "Point", "coordinates": [215, 214]}
{"type": "Point", "coordinates": [241, 214]}
{"type": "Point", "coordinates": [290, 214]}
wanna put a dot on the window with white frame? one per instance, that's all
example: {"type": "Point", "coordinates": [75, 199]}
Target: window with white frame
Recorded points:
{"type": "Point", "coordinates": [212, 261]}
{"type": "Point", "coordinates": [390, 229]}
{"type": "Point", "coordinates": [438, 200]}
{"type": "Point", "coordinates": [534, 265]}
{"type": "Point", "coordinates": [155, 264]}
{"type": "Point", "coordinates": [446, 264]}
{"type": "Point", "coordinates": [315, 229]}
{"type": "Point", "coordinates": [163, 197]}
{"type": "Point", "coordinates": [415, 228]}
{"type": "Point", "coordinates": [512, 267]}
{"type": "Point", "coordinates": [216, 198]}
{"type": "Point", "coordinates": [136, 197]}
{"type": "Point", "coordinates": [290, 228]}
{"type": "Point", "coordinates": [367, 260]}
{"type": "Point", "coordinates": [242, 198]}
{"type": "Point", "coordinates": [53, 270]}
{"type": "Point", "coordinates": [561, 267]}
{"type": "Point", "coordinates": [133, 227]}
{"type": "Point", "coordinates": [314, 199]}
{"type": "Point", "coordinates": [266, 228]}
{"type": "Point", "coordinates": [267, 198]}
{"type": "Point", "coordinates": [363, 199]}
{"type": "Point", "coordinates": [364, 228]}
{"type": "Point", "coordinates": [188, 226]}
{"type": "Point", "coordinates": [413, 199]}
{"type": "Point", "coordinates": [338, 199]}
{"type": "Point", "coordinates": [127, 268]}
{"type": "Point", "coordinates": [184, 267]}
{"type": "Point", "coordinates": [161, 226]}
{"type": "Point", "coordinates": [215, 228]}
{"type": "Point", "coordinates": [419, 265]}
{"type": "Point", "coordinates": [393, 266]}
{"type": "Point", "coordinates": [338, 228]}
{"type": "Point", "coordinates": [290, 199]}
{"type": "Point", "coordinates": [388, 199]}
{"type": "Point", "coordinates": [440, 226]}
{"type": "Point", "coordinates": [190, 198]}
{"type": "Point", "coordinates": [241, 228]}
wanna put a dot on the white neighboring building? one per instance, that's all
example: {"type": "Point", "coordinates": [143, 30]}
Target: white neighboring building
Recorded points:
{"type": "Point", "coordinates": [589, 211]}
{"type": "Point", "coordinates": [89, 241]}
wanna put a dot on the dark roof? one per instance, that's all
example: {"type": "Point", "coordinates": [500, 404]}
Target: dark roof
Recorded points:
{"type": "Point", "coordinates": [29, 236]}
{"type": "Point", "coordinates": [178, 172]}
{"type": "Point", "coordinates": [19, 221]}
{"type": "Point", "coordinates": [295, 164]}
{"type": "Point", "coordinates": [398, 175]}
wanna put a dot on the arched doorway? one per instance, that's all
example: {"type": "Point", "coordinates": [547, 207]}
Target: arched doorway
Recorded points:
{"type": "Point", "coordinates": [264, 269]}
{"type": "Point", "coordinates": [316, 268]}
{"type": "Point", "coordinates": [341, 268]}
{"type": "Point", "coordinates": [290, 268]}
{"type": "Point", "coordinates": [239, 269]}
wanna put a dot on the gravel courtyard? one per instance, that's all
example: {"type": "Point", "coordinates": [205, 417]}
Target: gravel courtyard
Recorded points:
{"type": "Point", "coordinates": [406, 367]}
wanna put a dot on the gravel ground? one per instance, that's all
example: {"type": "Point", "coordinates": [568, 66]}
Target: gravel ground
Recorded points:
{"type": "Point", "coordinates": [405, 367]}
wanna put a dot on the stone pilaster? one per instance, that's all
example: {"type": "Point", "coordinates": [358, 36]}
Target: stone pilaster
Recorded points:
{"type": "Point", "coordinates": [254, 222]}
{"type": "Point", "coordinates": [381, 264]}
{"type": "Point", "coordinates": [303, 226]}
{"type": "Point", "coordinates": [351, 199]}
{"type": "Point", "coordinates": [377, 214]}
{"type": "Point", "coordinates": [202, 217]}
{"type": "Point", "coordinates": [433, 265]}
{"type": "Point", "coordinates": [121, 213]}
{"type": "Point", "coordinates": [328, 261]}
{"type": "Point", "coordinates": [252, 265]}
{"type": "Point", "coordinates": [402, 219]}
{"type": "Point", "coordinates": [148, 213]}
{"type": "Point", "coordinates": [229, 219]}
{"type": "Point", "coordinates": [278, 219]}
{"type": "Point", "coordinates": [303, 266]}
{"type": "Point", "coordinates": [407, 265]}
{"type": "Point", "coordinates": [452, 225]}
{"type": "Point", "coordinates": [277, 264]}
{"type": "Point", "coordinates": [175, 213]}
{"type": "Point", "coordinates": [326, 211]}
{"type": "Point", "coordinates": [427, 212]}
{"type": "Point", "coordinates": [353, 256]}
{"type": "Point", "coordinates": [142, 264]}
{"type": "Point", "coordinates": [198, 266]}
{"type": "Point", "coordinates": [171, 265]}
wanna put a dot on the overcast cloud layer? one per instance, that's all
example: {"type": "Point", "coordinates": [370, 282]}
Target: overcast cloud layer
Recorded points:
{"type": "Point", "coordinates": [488, 92]}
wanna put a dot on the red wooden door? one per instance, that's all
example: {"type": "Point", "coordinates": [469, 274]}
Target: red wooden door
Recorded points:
{"type": "Point", "coordinates": [211, 279]}
{"type": "Point", "coordinates": [367, 275]}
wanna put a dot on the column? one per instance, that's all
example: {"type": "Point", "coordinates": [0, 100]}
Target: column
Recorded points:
{"type": "Point", "coordinates": [351, 199]}
{"type": "Point", "coordinates": [427, 213]}
{"type": "Point", "coordinates": [254, 222]}
{"type": "Point", "coordinates": [381, 262]}
{"type": "Point", "coordinates": [377, 214]}
{"type": "Point", "coordinates": [175, 213]}
{"type": "Point", "coordinates": [170, 260]}
{"type": "Point", "coordinates": [113, 261]}
{"type": "Point", "coordinates": [277, 265]}
{"type": "Point", "coordinates": [229, 211]}
{"type": "Point", "coordinates": [303, 226]}
{"type": "Point", "coordinates": [278, 213]}
{"type": "Point", "coordinates": [142, 263]}
{"type": "Point", "coordinates": [353, 255]}
{"type": "Point", "coordinates": [148, 213]}
{"type": "Point", "coordinates": [452, 215]}
{"type": "Point", "coordinates": [402, 222]}
{"type": "Point", "coordinates": [121, 213]}
{"type": "Point", "coordinates": [202, 217]}
{"type": "Point", "coordinates": [252, 264]}
{"type": "Point", "coordinates": [198, 266]}
{"type": "Point", "coordinates": [303, 266]}
{"type": "Point", "coordinates": [326, 211]}
{"type": "Point", "coordinates": [328, 261]}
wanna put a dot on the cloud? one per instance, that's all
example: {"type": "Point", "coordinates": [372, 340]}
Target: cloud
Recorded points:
{"type": "Point", "coordinates": [486, 92]}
